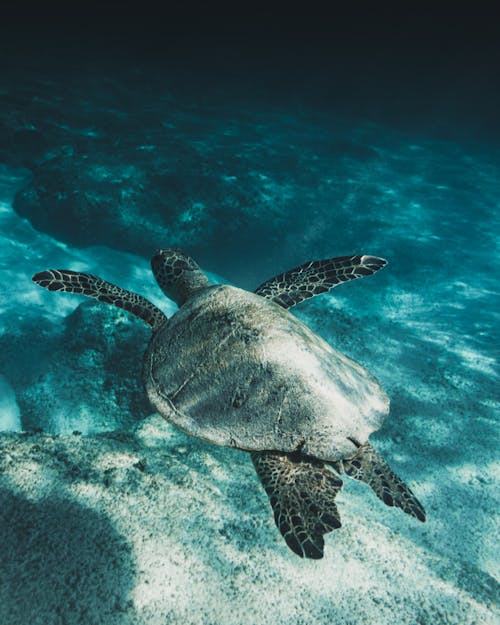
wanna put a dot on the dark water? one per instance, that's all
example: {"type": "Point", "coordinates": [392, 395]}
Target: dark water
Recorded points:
{"type": "Point", "coordinates": [257, 140]}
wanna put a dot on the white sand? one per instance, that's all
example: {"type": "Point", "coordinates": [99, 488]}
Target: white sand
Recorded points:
{"type": "Point", "coordinates": [158, 528]}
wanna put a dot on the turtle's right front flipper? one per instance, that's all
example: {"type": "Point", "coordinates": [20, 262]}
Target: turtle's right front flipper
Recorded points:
{"type": "Point", "coordinates": [302, 493]}
{"type": "Point", "coordinates": [92, 286]}
{"type": "Point", "coordinates": [316, 277]}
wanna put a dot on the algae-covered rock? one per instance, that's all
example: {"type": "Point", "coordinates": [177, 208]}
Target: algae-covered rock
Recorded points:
{"type": "Point", "coordinates": [83, 374]}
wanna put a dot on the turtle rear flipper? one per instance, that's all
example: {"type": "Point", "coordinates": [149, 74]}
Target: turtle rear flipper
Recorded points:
{"type": "Point", "coordinates": [316, 277]}
{"type": "Point", "coordinates": [367, 466]}
{"type": "Point", "coordinates": [302, 494]}
{"type": "Point", "coordinates": [92, 286]}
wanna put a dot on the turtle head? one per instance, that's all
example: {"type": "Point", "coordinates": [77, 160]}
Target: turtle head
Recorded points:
{"type": "Point", "coordinates": [178, 276]}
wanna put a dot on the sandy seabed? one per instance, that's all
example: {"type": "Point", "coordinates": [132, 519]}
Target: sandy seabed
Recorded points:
{"type": "Point", "coordinates": [156, 527]}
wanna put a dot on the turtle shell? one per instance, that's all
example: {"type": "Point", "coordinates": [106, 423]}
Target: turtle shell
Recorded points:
{"type": "Point", "coordinates": [238, 370]}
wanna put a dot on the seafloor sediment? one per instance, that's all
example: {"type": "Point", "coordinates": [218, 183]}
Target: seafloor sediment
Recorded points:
{"type": "Point", "coordinates": [156, 527]}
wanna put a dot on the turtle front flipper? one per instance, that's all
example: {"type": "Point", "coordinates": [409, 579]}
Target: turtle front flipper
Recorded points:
{"type": "Point", "coordinates": [367, 466]}
{"type": "Point", "coordinates": [92, 286]}
{"type": "Point", "coordinates": [302, 493]}
{"type": "Point", "coordinates": [316, 277]}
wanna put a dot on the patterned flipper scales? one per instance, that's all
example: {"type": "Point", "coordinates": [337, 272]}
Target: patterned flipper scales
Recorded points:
{"type": "Point", "coordinates": [92, 286]}
{"type": "Point", "coordinates": [316, 277]}
{"type": "Point", "coordinates": [367, 466]}
{"type": "Point", "coordinates": [302, 493]}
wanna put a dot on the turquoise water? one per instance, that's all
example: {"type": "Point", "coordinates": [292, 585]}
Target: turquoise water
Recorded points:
{"type": "Point", "coordinates": [251, 175]}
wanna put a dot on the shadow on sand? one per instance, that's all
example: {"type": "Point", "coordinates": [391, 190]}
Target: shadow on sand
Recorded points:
{"type": "Point", "coordinates": [61, 563]}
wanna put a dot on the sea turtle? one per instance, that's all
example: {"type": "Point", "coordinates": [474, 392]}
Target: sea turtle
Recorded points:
{"type": "Point", "coordinates": [237, 369]}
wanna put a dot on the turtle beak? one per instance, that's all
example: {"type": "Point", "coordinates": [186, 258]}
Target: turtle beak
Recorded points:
{"type": "Point", "coordinates": [161, 253]}
{"type": "Point", "coordinates": [163, 256]}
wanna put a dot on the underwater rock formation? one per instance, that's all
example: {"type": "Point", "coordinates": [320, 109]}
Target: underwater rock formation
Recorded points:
{"type": "Point", "coordinates": [84, 374]}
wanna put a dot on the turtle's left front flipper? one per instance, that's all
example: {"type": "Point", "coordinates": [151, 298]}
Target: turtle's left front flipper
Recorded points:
{"type": "Point", "coordinates": [302, 493]}
{"type": "Point", "coordinates": [316, 277]}
{"type": "Point", "coordinates": [80, 283]}
{"type": "Point", "coordinates": [367, 466]}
